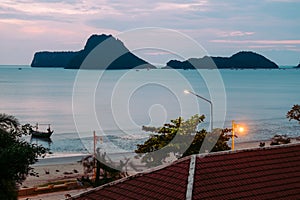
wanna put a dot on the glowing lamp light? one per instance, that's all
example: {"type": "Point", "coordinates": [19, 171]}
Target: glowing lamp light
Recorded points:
{"type": "Point", "coordinates": [186, 91]}
{"type": "Point", "coordinates": [241, 129]}
{"type": "Point", "coordinates": [236, 128]}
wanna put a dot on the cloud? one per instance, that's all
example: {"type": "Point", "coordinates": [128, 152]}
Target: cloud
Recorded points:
{"type": "Point", "coordinates": [267, 42]}
{"type": "Point", "coordinates": [235, 33]}
{"type": "Point", "coordinates": [215, 24]}
{"type": "Point", "coordinates": [262, 46]}
{"type": "Point", "coordinates": [186, 6]}
{"type": "Point", "coordinates": [283, 1]}
{"type": "Point", "coordinates": [48, 10]}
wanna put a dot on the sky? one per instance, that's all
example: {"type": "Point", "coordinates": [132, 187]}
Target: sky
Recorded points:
{"type": "Point", "coordinates": [269, 27]}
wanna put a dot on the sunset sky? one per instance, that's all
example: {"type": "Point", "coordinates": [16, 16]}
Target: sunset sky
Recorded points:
{"type": "Point", "coordinates": [269, 27]}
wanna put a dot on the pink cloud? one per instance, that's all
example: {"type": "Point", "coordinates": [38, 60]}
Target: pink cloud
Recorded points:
{"type": "Point", "coordinates": [262, 46]}
{"type": "Point", "coordinates": [235, 33]}
{"type": "Point", "coordinates": [263, 42]}
{"type": "Point", "coordinates": [201, 5]}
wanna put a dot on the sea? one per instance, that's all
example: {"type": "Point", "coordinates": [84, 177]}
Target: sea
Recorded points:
{"type": "Point", "coordinates": [116, 104]}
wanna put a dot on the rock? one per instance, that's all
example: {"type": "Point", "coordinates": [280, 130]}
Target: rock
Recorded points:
{"type": "Point", "coordinates": [52, 59]}
{"type": "Point", "coordinates": [240, 60]}
{"type": "Point", "coordinates": [111, 53]}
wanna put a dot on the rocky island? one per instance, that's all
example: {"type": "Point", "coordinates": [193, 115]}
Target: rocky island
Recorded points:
{"type": "Point", "coordinates": [240, 60]}
{"type": "Point", "coordinates": [111, 54]}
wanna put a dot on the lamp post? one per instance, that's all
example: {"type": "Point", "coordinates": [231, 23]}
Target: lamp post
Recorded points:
{"type": "Point", "coordinates": [211, 106]}
{"type": "Point", "coordinates": [240, 129]}
{"type": "Point", "coordinates": [232, 137]}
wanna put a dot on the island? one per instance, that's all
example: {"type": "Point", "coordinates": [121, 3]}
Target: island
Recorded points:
{"type": "Point", "coordinates": [109, 52]}
{"type": "Point", "coordinates": [52, 59]}
{"type": "Point", "coordinates": [298, 67]}
{"type": "Point", "coordinates": [112, 54]}
{"type": "Point", "coordinates": [240, 60]}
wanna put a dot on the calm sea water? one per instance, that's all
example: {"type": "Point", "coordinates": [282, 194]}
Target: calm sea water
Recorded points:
{"type": "Point", "coordinates": [120, 102]}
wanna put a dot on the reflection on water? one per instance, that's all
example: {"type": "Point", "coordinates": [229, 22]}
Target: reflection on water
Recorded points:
{"type": "Point", "coordinates": [257, 98]}
{"type": "Point", "coordinates": [45, 142]}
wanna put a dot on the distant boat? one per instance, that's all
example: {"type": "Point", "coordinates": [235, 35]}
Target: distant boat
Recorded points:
{"type": "Point", "coordinates": [41, 134]}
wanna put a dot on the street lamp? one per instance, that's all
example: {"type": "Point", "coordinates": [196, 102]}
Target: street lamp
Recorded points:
{"type": "Point", "coordinates": [238, 128]}
{"type": "Point", "coordinates": [211, 106]}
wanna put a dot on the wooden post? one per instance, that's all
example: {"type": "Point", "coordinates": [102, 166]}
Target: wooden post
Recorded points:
{"type": "Point", "coordinates": [232, 142]}
{"type": "Point", "coordinates": [94, 133]}
{"type": "Point", "coordinates": [98, 168]}
{"type": "Point", "coordinates": [94, 168]}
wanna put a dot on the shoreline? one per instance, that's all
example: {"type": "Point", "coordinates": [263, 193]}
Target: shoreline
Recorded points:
{"type": "Point", "coordinates": [57, 160]}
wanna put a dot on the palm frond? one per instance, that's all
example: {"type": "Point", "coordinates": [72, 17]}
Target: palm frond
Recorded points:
{"type": "Point", "coordinates": [9, 123]}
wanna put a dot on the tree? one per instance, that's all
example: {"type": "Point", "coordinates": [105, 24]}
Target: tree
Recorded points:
{"type": "Point", "coordinates": [294, 113]}
{"type": "Point", "coordinates": [180, 138]}
{"type": "Point", "coordinates": [16, 156]}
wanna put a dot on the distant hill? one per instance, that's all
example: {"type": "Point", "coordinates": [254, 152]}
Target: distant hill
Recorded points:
{"type": "Point", "coordinates": [240, 60]}
{"type": "Point", "coordinates": [111, 54]}
{"type": "Point", "coordinates": [52, 59]}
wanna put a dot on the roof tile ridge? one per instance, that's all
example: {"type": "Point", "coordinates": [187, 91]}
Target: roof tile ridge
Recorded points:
{"type": "Point", "coordinates": [247, 150]}
{"type": "Point", "coordinates": [191, 176]}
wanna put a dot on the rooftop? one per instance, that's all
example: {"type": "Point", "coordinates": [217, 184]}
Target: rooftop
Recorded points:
{"type": "Point", "coordinates": [261, 173]}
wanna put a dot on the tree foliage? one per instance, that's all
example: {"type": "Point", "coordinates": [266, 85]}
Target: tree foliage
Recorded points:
{"type": "Point", "coordinates": [16, 156]}
{"type": "Point", "coordinates": [294, 113]}
{"type": "Point", "coordinates": [180, 138]}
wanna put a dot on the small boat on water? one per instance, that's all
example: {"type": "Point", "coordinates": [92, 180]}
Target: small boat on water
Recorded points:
{"type": "Point", "coordinates": [41, 134]}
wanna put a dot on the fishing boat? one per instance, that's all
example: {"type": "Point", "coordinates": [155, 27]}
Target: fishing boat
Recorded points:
{"type": "Point", "coordinates": [41, 134]}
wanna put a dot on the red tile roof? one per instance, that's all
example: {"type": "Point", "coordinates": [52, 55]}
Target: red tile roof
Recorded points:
{"type": "Point", "coordinates": [266, 173]}
{"type": "Point", "coordinates": [254, 174]}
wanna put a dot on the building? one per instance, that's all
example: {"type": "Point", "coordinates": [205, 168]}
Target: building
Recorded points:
{"type": "Point", "coordinates": [260, 173]}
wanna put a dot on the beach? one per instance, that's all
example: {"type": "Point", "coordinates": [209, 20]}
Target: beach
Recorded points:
{"type": "Point", "coordinates": [53, 173]}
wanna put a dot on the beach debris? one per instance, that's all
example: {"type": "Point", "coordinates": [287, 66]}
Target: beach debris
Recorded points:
{"type": "Point", "coordinates": [68, 196]}
{"type": "Point", "coordinates": [88, 164]}
{"type": "Point", "coordinates": [33, 173]}
{"type": "Point", "coordinates": [47, 171]}
{"type": "Point", "coordinates": [82, 182]}
{"type": "Point", "coordinates": [262, 144]}
{"type": "Point", "coordinates": [79, 182]}
{"type": "Point", "coordinates": [68, 173]}
{"type": "Point", "coordinates": [280, 139]}
{"type": "Point", "coordinates": [75, 171]}
{"type": "Point", "coordinates": [57, 170]}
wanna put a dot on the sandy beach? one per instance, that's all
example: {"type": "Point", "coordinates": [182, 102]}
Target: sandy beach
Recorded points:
{"type": "Point", "coordinates": [53, 173]}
